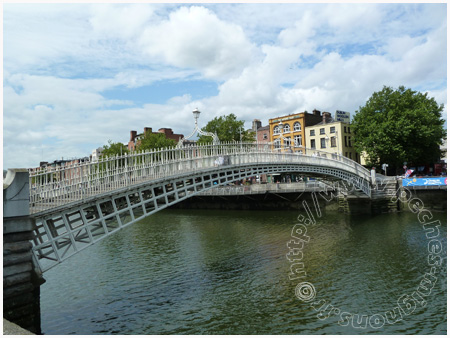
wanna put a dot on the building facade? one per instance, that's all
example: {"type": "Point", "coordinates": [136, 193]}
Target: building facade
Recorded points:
{"type": "Point", "coordinates": [263, 134]}
{"type": "Point", "coordinates": [96, 154]}
{"type": "Point", "coordinates": [135, 137]}
{"type": "Point", "coordinates": [332, 136]}
{"type": "Point", "coordinates": [289, 131]}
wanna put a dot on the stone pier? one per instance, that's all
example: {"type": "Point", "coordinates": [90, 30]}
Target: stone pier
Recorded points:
{"type": "Point", "coordinates": [21, 279]}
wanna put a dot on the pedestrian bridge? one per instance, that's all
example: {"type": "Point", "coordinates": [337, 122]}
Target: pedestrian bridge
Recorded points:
{"type": "Point", "coordinates": [76, 206]}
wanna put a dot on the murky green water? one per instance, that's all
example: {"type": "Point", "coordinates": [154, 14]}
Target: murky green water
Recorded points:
{"type": "Point", "coordinates": [222, 272]}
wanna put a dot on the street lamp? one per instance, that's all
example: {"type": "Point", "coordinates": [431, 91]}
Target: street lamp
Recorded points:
{"type": "Point", "coordinates": [384, 167]}
{"type": "Point", "coordinates": [196, 114]}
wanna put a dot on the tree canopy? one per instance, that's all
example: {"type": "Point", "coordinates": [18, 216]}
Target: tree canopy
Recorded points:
{"type": "Point", "coordinates": [227, 128]}
{"type": "Point", "coordinates": [396, 126]}
{"type": "Point", "coordinates": [113, 149]}
{"type": "Point", "coordinates": [155, 140]}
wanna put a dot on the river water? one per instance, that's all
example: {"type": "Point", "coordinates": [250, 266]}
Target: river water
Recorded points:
{"type": "Point", "coordinates": [226, 272]}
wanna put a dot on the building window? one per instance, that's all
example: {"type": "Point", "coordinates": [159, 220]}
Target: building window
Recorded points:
{"type": "Point", "coordinates": [265, 136]}
{"type": "Point", "coordinates": [346, 154]}
{"type": "Point", "coordinates": [350, 155]}
{"type": "Point", "coordinates": [297, 126]}
{"type": "Point", "coordinates": [322, 131]}
{"type": "Point", "coordinates": [349, 141]}
{"type": "Point", "coordinates": [276, 130]}
{"type": "Point", "coordinates": [312, 132]}
{"type": "Point", "coordinates": [348, 130]}
{"type": "Point", "coordinates": [333, 141]}
{"type": "Point", "coordinates": [345, 129]}
{"type": "Point", "coordinates": [322, 143]}
{"type": "Point", "coordinates": [313, 144]}
{"type": "Point", "coordinates": [286, 128]}
{"type": "Point", "coordinates": [345, 141]}
{"type": "Point", "coordinates": [277, 143]}
{"type": "Point", "coordinates": [332, 130]}
{"type": "Point", "coordinates": [298, 140]}
{"type": "Point", "coordinates": [287, 142]}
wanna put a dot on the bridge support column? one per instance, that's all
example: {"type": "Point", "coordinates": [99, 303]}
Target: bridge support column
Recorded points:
{"type": "Point", "coordinates": [21, 280]}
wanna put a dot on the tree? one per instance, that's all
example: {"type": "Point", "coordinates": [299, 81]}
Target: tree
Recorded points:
{"type": "Point", "coordinates": [153, 141]}
{"type": "Point", "coordinates": [113, 149]}
{"type": "Point", "coordinates": [396, 126]}
{"type": "Point", "coordinates": [227, 128]}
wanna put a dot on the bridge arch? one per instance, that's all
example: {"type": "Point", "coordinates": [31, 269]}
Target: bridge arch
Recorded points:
{"type": "Point", "coordinates": [66, 225]}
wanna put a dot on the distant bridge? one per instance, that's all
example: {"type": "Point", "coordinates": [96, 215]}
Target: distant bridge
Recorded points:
{"type": "Point", "coordinates": [78, 205]}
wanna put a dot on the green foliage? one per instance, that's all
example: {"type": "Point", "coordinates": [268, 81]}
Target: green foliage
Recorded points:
{"type": "Point", "coordinates": [153, 141]}
{"type": "Point", "coordinates": [227, 128]}
{"type": "Point", "coordinates": [113, 149]}
{"type": "Point", "coordinates": [396, 126]}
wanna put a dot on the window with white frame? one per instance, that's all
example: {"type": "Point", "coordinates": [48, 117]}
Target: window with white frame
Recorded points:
{"type": "Point", "coordinates": [287, 128]}
{"type": "Point", "coordinates": [332, 130]}
{"type": "Point", "coordinates": [287, 142]}
{"type": "Point", "coordinates": [298, 140]}
{"type": "Point", "coordinates": [277, 143]}
{"type": "Point", "coordinates": [297, 126]}
{"type": "Point", "coordinates": [276, 130]}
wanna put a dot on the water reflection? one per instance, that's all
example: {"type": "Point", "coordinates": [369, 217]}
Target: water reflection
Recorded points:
{"type": "Point", "coordinates": [225, 272]}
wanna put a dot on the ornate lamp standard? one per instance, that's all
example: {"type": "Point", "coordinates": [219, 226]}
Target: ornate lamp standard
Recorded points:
{"type": "Point", "coordinates": [196, 114]}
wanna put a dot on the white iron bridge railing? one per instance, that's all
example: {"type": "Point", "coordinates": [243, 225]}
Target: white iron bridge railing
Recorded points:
{"type": "Point", "coordinates": [53, 187]}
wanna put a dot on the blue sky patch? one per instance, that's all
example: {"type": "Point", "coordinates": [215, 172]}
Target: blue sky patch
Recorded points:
{"type": "Point", "coordinates": [162, 91]}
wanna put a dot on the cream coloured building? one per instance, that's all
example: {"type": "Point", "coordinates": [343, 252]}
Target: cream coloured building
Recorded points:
{"type": "Point", "coordinates": [331, 136]}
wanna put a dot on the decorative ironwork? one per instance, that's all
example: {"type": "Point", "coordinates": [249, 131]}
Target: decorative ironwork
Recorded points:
{"type": "Point", "coordinates": [214, 136]}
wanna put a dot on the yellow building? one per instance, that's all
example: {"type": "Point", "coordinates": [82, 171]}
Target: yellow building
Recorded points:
{"type": "Point", "coordinates": [288, 131]}
{"type": "Point", "coordinates": [332, 136]}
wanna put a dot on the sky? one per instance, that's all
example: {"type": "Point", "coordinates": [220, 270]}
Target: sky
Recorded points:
{"type": "Point", "coordinates": [78, 75]}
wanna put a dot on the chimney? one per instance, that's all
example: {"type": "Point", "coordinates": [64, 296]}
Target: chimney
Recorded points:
{"type": "Point", "coordinates": [326, 117]}
{"type": "Point", "coordinates": [316, 112]}
{"type": "Point", "coordinates": [165, 131]}
{"type": "Point", "coordinates": [256, 125]}
{"type": "Point", "coordinates": [146, 129]}
{"type": "Point", "coordinates": [133, 134]}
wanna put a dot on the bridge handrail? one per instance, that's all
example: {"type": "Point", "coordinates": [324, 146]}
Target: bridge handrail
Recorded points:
{"type": "Point", "coordinates": [50, 186]}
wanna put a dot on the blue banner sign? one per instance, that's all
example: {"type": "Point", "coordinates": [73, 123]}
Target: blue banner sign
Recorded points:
{"type": "Point", "coordinates": [408, 182]}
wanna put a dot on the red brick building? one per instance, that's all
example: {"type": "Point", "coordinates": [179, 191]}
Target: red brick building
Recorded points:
{"type": "Point", "coordinates": [135, 137]}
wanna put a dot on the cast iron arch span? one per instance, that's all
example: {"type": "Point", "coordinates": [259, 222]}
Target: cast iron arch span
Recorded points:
{"type": "Point", "coordinates": [63, 232]}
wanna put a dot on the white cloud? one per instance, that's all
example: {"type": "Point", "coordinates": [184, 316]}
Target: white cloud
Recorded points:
{"type": "Point", "coordinates": [35, 35]}
{"type": "Point", "coordinates": [119, 20]}
{"type": "Point", "coordinates": [193, 37]}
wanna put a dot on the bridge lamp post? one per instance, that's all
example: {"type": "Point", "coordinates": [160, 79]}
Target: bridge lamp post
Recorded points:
{"type": "Point", "coordinates": [196, 114]}
{"type": "Point", "coordinates": [240, 136]}
{"type": "Point", "coordinates": [214, 136]}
